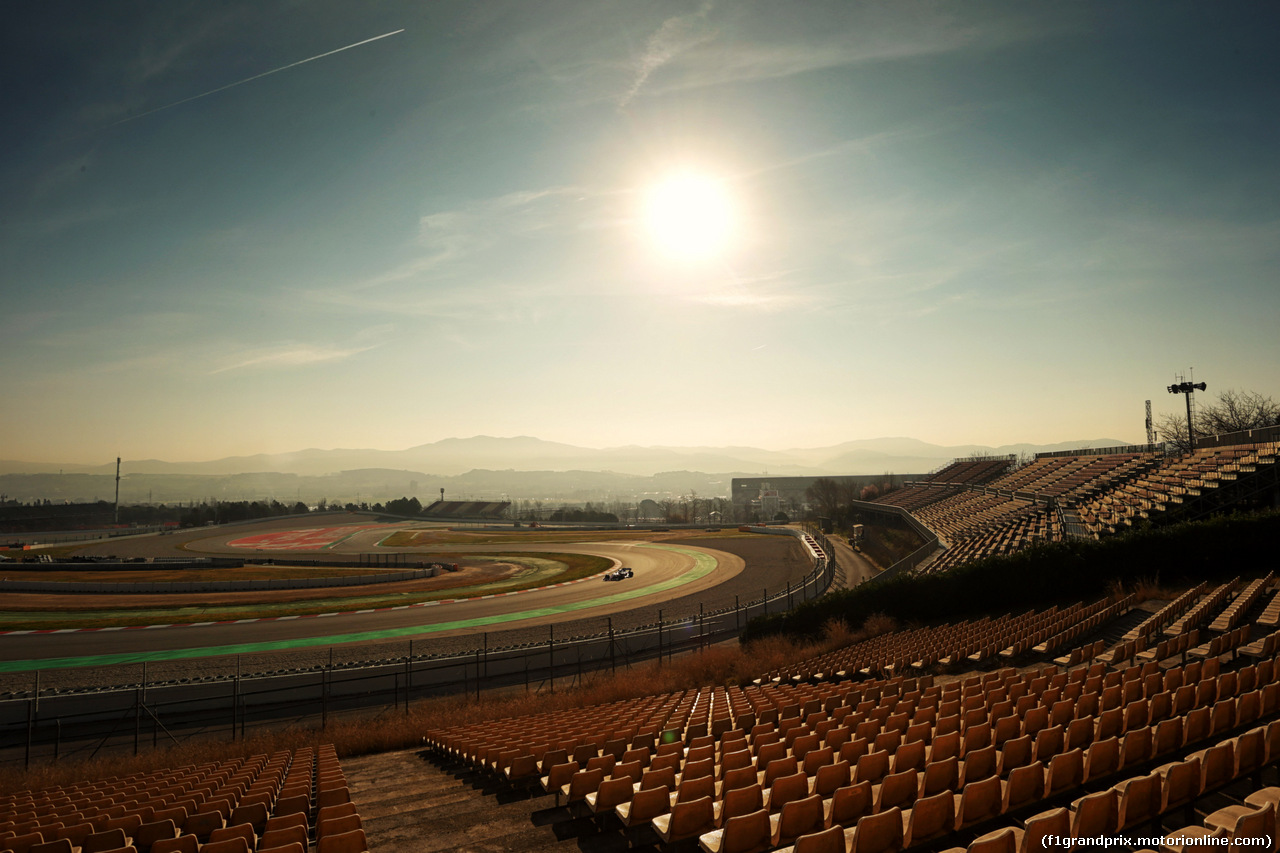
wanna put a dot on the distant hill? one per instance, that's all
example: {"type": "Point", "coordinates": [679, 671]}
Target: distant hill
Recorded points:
{"type": "Point", "coordinates": [482, 467]}
{"type": "Point", "coordinates": [454, 456]}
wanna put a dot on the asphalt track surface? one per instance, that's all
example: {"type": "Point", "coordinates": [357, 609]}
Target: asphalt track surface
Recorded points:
{"type": "Point", "coordinates": [661, 573]}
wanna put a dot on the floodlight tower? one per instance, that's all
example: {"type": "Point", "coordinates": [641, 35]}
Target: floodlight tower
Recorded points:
{"type": "Point", "coordinates": [1151, 433]}
{"type": "Point", "coordinates": [1189, 389]}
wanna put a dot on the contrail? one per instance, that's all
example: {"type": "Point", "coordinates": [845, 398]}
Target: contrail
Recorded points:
{"type": "Point", "coordinates": [254, 77]}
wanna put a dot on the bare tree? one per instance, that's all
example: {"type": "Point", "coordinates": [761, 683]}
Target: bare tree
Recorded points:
{"type": "Point", "coordinates": [1233, 412]}
{"type": "Point", "coordinates": [824, 494]}
{"type": "Point", "coordinates": [668, 508]}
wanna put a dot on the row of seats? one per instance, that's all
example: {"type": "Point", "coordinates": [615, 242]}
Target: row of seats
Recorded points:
{"type": "Point", "coordinates": [967, 732]}
{"type": "Point", "coordinates": [1158, 621]}
{"type": "Point", "coordinates": [927, 811]}
{"type": "Point", "coordinates": [250, 805]}
{"type": "Point", "coordinates": [1106, 493]}
{"type": "Point", "coordinates": [961, 644]}
{"type": "Point", "coordinates": [1133, 804]}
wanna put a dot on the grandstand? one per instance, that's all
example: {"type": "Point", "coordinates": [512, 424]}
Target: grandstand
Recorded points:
{"type": "Point", "coordinates": [467, 509]}
{"type": "Point", "coordinates": [980, 508]}
{"type": "Point", "coordinates": [279, 804]}
{"type": "Point", "coordinates": [876, 749]}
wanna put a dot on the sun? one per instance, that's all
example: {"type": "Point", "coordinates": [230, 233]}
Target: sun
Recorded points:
{"type": "Point", "coordinates": [690, 216]}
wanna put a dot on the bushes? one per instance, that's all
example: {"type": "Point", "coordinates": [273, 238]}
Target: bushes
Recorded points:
{"type": "Point", "coordinates": [1059, 573]}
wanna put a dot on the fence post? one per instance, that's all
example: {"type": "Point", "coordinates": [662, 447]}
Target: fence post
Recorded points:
{"type": "Point", "coordinates": [737, 614]}
{"type": "Point", "coordinates": [137, 718]}
{"type": "Point", "coordinates": [408, 677]}
{"type": "Point", "coordinates": [702, 628]}
{"type": "Point", "coordinates": [31, 720]}
{"type": "Point", "coordinates": [551, 655]}
{"type": "Point", "coordinates": [659, 638]}
{"type": "Point", "coordinates": [478, 673]}
{"type": "Point", "coordinates": [613, 656]}
{"type": "Point", "coordinates": [235, 699]}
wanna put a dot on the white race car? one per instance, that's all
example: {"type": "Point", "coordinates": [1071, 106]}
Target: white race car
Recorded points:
{"type": "Point", "coordinates": [618, 574]}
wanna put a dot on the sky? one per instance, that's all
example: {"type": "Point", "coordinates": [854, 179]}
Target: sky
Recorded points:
{"type": "Point", "coordinates": [253, 227]}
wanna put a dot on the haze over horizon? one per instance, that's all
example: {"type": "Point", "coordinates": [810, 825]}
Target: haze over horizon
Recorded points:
{"type": "Point", "coordinates": [251, 228]}
{"type": "Point", "coordinates": [456, 455]}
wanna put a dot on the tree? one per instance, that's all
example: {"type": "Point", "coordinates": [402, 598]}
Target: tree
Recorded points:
{"type": "Point", "coordinates": [1234, 411]}
{"type": "Point", "coordinates": [404, 506]}
{"type": "Point", "coordinates": [668, 509]}
{"type": "Point", "coordinates": [825, 496]}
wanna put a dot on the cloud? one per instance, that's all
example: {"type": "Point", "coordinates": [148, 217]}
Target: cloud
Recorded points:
{"type": "Point", "coordinates": [499, 258]}
{"type": "Point", "coordinates": [287, 356]}
{"type": "Point", "coordinates": [744, 46]}
{"type": "Point", "coordinates": [676, 35]}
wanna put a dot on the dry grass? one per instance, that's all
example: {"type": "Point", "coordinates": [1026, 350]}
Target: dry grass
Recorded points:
{"type": "Point", "coordinates": [393, 729]}
{"type": "Point", "coordinates": [1146, 588]}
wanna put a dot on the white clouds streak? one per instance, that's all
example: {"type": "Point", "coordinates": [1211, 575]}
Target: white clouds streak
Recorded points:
{"type": "Point", "coordinates": [676, 35]}
{"type": "Point", "coordinates": [256, 77]}
{"type": "Point", "coordinates": [292, 355]}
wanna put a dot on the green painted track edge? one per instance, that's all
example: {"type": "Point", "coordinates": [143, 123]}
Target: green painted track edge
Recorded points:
{"type": "Point", "coordinates": [704, 564]}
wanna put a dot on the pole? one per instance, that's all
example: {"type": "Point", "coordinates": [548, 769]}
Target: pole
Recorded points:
{"type": "Point", "coordinates": [551, 655]}
{"type": "Point", "coordinates": [702, 628]}
{"type": "Point", "coordinates": [737, 614]}
{"type": "Point", "coordinates": [659, 637]}
{"type": "Point", "coordinates": [1191, 432]}
{"type": "Point", "coordinates": [137, 718]}
{"type": "Point", "coordinates": [613, 657]}
{"type": "Point", "coordinates": [235, 700]}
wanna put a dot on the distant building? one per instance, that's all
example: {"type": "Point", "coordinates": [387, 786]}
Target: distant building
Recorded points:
{"type": "Point", "coordinates": [761, 498]}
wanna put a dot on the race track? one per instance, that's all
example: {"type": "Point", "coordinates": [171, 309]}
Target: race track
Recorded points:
{"type": "Point", "coordinates": [661, 572]}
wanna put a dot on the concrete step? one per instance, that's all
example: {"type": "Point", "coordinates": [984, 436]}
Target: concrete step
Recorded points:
{"type": "Point", "coordinates": [408, 802]}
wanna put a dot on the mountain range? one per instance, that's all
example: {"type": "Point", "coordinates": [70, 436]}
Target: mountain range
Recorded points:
{"type": "Point", "coordinates": [454, 456]}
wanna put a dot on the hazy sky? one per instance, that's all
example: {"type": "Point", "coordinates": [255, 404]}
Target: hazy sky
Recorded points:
{"type": "Point", "coordinates": [963, 222]}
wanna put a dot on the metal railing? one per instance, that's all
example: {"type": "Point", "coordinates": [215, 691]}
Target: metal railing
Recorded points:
{"type": "Point", "coordinates": [1105, 451]}
{"type": "Point", "coordinates": [1249, 436]}
{"type": "Point", "coordinates": [931, 540]}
